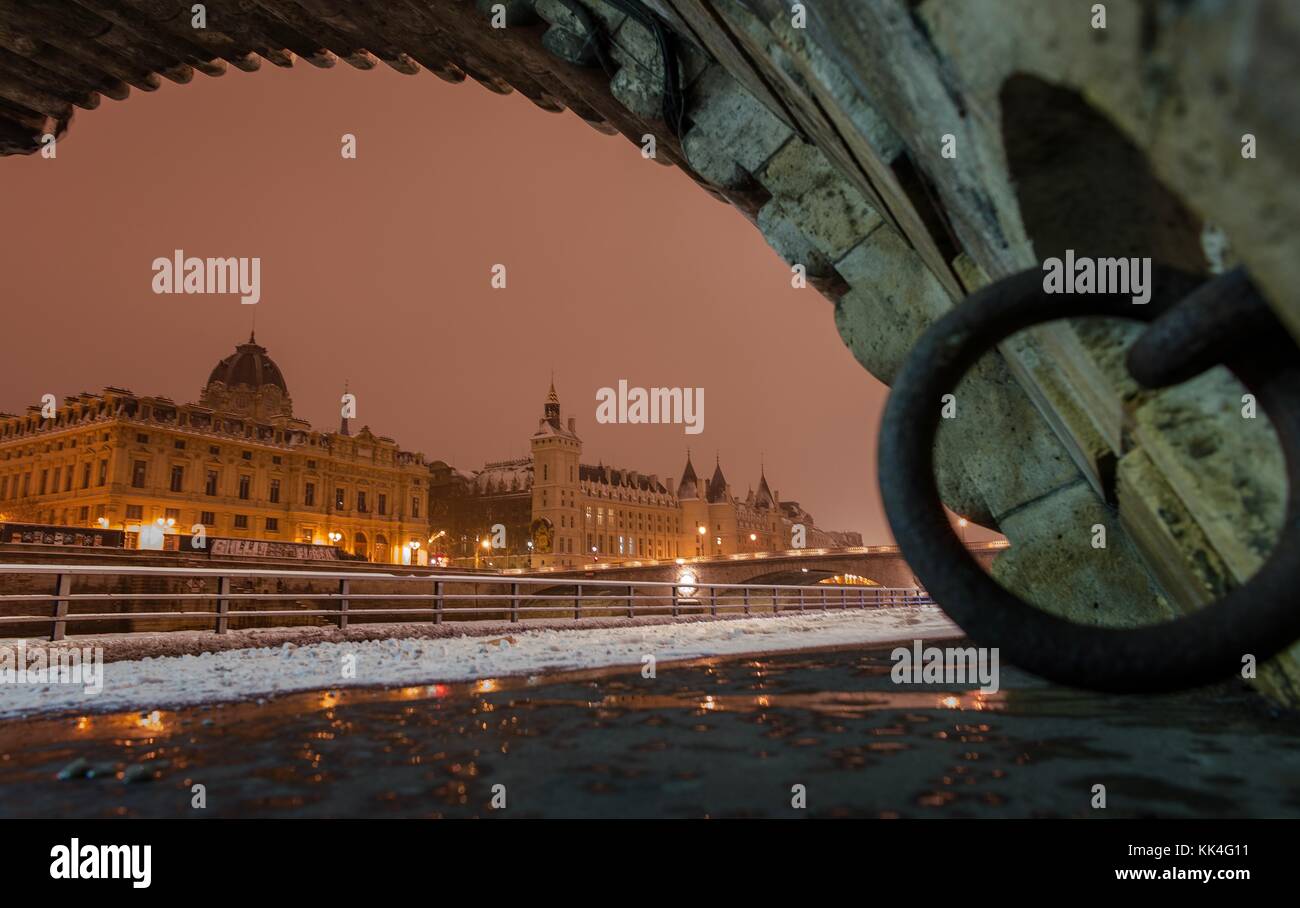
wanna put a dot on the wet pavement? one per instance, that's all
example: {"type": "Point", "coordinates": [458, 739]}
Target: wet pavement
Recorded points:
{"type": "Point", "coordinates": [715, 738]}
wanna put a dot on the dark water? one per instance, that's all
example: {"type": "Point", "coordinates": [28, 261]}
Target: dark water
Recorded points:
{"type": "Point", "coordinates": [716, 738]}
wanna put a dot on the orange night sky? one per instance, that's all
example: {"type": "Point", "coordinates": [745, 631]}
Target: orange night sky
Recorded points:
{"type": "Point", "coordinates": [376, 272]}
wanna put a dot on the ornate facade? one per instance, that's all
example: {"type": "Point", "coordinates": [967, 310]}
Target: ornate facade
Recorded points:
{"type": "Point", "coordinates": [238, 463]}
{"type": "Point", "coordinates": [556, 511]}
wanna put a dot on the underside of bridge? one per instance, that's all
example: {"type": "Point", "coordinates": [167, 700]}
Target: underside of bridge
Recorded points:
{"type": "Point", "coordinates": [902, 155]}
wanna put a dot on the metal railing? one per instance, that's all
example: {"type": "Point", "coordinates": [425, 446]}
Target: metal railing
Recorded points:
{"type": "Point", "coordinates": [430, 597]}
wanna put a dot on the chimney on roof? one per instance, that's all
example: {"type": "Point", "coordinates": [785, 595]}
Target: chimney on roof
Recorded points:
{"type": "Point", "coordinates": [671, 485]}
{"type": "Point", "coordinates": [573, 425]}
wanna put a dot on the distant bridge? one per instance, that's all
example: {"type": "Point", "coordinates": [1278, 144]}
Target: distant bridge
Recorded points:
{"type": "Point", "coordinates": [880, 565]}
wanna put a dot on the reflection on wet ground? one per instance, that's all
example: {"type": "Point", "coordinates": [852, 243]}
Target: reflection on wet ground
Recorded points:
{"type": "Point", "coordinates": [713, 738]}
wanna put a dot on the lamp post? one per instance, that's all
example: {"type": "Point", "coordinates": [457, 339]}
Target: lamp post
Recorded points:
{"type": "Point", "coordinates": [963, 523]}
{"type": "Point", "coordinates": [432, 539]}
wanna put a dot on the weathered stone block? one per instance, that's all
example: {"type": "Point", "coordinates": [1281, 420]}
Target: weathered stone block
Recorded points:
{"type": "Point", "coordinates": [1227, 468]}
{"type": "Point", "coordinates": [797, 169]}
{"type": "Point", "coordinates": [1052, 562]}
{"type": "Point", "coordinates": [570, 46]}
{"type": "Point", "coordinates": [826, 208]}
{"type": "Point", "coordinates": [781, 228]}
{"type": "Point", "coordinates": [638, 91]}
{"type": "Point", "coordinates": [733, 134]}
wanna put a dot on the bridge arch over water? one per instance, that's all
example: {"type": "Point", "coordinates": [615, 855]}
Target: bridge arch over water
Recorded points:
{"type": "Point", "coordinates": [878, 565]}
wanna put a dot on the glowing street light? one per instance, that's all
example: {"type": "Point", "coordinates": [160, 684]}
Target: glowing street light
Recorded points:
{"type": "Point", "coordinates": [686, 584]}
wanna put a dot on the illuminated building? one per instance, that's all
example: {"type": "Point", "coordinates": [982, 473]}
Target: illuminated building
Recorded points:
{"type": "Point", "coordinates": [237, 462]}
{"type": "Point", "coordinates": [555, 511]}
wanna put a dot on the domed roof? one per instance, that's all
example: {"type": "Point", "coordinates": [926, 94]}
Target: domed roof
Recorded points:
{"type": "Point", "coordinates": [248, 365]}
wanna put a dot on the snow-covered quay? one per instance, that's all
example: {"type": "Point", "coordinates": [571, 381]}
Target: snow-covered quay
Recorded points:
{"type": "Point", "coordinates": [160, 682]}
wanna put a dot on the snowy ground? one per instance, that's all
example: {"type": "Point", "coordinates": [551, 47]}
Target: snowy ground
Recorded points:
{"type": "Point", "coordinates": [242, 674]}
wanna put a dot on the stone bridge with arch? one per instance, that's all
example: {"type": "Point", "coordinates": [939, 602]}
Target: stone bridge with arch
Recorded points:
{"type": "Point", "coordinates": [877, 565]}
{"type": "Point", "coordinates": [899, 156]}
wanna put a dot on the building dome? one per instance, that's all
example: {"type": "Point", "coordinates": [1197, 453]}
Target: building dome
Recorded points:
{"type": "Point", "coordinates": [248, 383]}
{"type": "Point", "coordinates": [248, 365]}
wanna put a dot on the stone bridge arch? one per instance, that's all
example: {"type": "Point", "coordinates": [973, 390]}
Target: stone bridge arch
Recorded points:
{"type": "Point", "coordinates": [830, 139]}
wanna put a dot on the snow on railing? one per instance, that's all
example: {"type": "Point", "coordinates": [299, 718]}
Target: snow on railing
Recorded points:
{"type": "Point", "coordinates": [424, 597]}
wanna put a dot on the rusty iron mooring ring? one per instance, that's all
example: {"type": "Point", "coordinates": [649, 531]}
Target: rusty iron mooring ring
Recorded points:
{"type": "Point", "coordinates": [1223, 321]}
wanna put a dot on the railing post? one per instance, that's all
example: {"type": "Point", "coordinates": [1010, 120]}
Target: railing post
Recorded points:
{"type": "Point", "coordinates": [577, 604]}
{"type": "Point", "coordinates": [713, 600]}
{"type": "Point", "coordinates": [824, 606]}
{"type": "Point", "coordinates": [223, 605]}
{"type": "Point", "coordinates": [631, 608]}
{"type": "Point", "coordinates": [844, 597]}
{"type": "Point", "coordinates": [344, 587]}
{"type": "Point", "coordinates": [801, 598]}
{"type": "Point", "coordinates": [746, 600]}
{"type": "Point", "coordinates": [514, 603]}
{"type": "Point", "coordinates": [776, 603]}
{"type": "Point", "coordinates": [674, 600]}
{"type": "Point", "coordinates": [63, 587]}
{"type": "Point", "coordinates": [438, 602]}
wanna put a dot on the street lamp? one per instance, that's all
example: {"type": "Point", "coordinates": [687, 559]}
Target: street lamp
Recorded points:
{"type": "Point", "coordinates": [963, 523]}
{"type": "Point", "coordinates": [686, 584]}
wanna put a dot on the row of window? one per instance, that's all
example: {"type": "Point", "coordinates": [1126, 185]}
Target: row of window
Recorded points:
{"type": "Point", "coordinates": [207, 518]}
{"type": "Point", "coordinates": [212, 485]}
{"type": "Point", "coordinates": [629, 545]}
{"type": "Point", "coordinates": [52, 481]}
{"type": "Point", "coordinates": [657, 521]}
{"type": "Point", "coordinates": [60, 479]}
